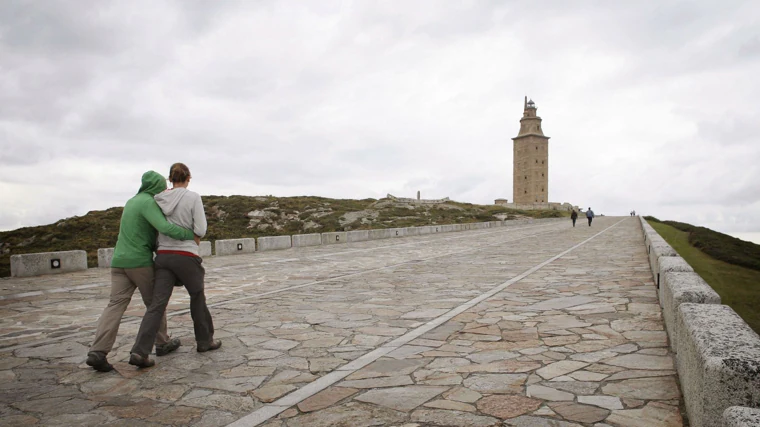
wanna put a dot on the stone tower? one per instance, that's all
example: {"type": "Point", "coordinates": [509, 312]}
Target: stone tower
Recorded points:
{"type": "Point", "coordinates": [530, 180]}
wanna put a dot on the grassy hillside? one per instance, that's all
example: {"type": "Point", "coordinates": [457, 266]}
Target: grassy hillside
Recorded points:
{"type": "Point", "coordinates": [738, 286]}
{"type": "Point", "coordinates": [244, 216]}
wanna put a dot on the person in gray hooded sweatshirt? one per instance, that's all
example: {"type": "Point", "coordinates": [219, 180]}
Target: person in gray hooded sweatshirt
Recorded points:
{"type": "Point", "coordinates": [177, 263]}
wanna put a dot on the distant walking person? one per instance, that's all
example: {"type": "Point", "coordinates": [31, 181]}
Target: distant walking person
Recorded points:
{"type": "Point", "coordinates": [589, 215]}
{"type": "Point", "coordinates": [574, 216]}
{"type": "Point", "coordinates": [177, 263]}
{"type": "Point", "coordinates": [132, 267]}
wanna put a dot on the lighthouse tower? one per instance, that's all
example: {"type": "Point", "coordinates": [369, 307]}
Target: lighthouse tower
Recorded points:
{"type": "Point", "coordinates": [530, 180]}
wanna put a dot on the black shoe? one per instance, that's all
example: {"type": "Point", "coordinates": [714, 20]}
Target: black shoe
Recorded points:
{"type": "Point", "coordinates": [164, 349]}
{"type": "Point", "coordinates": [140, 361]}
{"type": "Point", "coordinates": [213, 345]}
{"type": "Point", "coordinates": [98, 361]}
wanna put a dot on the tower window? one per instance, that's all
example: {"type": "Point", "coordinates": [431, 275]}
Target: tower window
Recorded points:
{"type": "Point", "coordinates": [542, 174]}
{"type": "Point", "coordinates": [526, 177]}
{"type": "Point", "coordinates": [542, 190]}
{"type": "Point", "coordinates": [542, 162]}
{"type": "Point", "coordinates": [536, 160]}
{"type": "Point", "coordinates": [536, 147]}
{"type": "Point", "coordinates": [526, 191]}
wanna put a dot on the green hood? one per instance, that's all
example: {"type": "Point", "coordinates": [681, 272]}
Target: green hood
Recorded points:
{"type": "Point", "coordinates": [152, 183]}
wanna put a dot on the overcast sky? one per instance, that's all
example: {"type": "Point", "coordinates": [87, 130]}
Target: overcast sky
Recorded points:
{"type": "Point", "coordinates": [651, 106]}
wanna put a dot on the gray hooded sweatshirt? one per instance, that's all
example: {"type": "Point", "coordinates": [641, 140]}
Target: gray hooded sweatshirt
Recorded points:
{"type": "Point", "coordinates": [185, 209]}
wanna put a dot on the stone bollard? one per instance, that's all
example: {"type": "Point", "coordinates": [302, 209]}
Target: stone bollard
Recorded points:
{"type": "Point", "coordinates": [235, 246]}
{"type": "Point", "coordinates": [300, 240]}
{"type": "Point", "coordinates": [105, 255]}
{"type": "Point", "coordinates": [271, 243]}
{"type": "Point", "coordinates": [37, 264]}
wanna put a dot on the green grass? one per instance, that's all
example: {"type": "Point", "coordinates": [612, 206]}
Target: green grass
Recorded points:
{"type": "Point", "coordinates": [738, 287]}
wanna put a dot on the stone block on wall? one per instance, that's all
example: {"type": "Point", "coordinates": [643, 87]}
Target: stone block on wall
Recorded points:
{"type": "Point", "coordinates": [271, 243]}
{"type": "Point", "coordinates": [235, 246]}
{"type": "Point", "coordinates": [379, 233]}
{"type": "Point", "coordinates": [678, 288]}
{"type": "Point", "coordinates": [357, 235]}
{"type": "Point", "coordinates": [412, 231]}
{"type": "Point", "coordinates": [37, 264]}
{"type": "Point", "coordinates": [397, 232]}
{"type": "Point", "coordinates": [718, 362]}
{"type": "Point", "coordinates": [667, 264]}
{"type": "Point", "coordinates": [300, 240]}
{"type": "Point", "coordinates": [105, 255]}
{"type": "Point", "coordinates": [334, 237]}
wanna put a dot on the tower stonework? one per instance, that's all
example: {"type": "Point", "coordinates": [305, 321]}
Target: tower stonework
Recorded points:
{"type": "Point", "coordinates": [530, 172]}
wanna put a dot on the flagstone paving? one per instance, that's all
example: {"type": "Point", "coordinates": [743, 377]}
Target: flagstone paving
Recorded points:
{"type": "Point", "coordinates": [535, 324]}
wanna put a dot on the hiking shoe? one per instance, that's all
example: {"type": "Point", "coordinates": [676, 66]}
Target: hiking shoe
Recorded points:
{"type": "Point", "coordinates": [140, 361]}
{"type": "Point", "coordinates": [213, 345]}
{"type": "Point", "coordinates": [98, 361]}
{"type": "Point", "coordinates": [164, 349]}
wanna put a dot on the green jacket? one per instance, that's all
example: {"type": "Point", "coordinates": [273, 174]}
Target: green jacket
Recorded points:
{"type": "Point", "coordinates": [139, 224]}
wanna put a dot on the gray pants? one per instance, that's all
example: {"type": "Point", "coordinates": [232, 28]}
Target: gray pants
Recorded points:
{"type": "Point", "coordinates": [124, 281]}
{"type": "Point", "coordinates": [171, 270]}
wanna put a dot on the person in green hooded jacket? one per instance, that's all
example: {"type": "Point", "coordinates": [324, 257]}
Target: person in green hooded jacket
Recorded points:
{"type": "Point", "coordinates": [132, 268]}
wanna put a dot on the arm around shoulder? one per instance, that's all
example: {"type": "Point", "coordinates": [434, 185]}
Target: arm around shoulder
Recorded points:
{"type": "Point", "coordinates": [157, 219]}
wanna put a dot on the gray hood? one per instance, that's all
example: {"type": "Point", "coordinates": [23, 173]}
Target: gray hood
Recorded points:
{"type": "Point", "coordinates": [169, 199]}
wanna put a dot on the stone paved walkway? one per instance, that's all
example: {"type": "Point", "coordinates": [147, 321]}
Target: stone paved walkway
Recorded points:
{"type": "Point", "coordinates": [534, 325]}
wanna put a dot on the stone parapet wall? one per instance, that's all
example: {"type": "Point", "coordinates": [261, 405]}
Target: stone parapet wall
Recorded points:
{"type": "Point", "coordinates": [40, 263]}
{"type": "Point", "coordinates": [717, 353]}
{"type": "Point", "coordinates": [418, 201]}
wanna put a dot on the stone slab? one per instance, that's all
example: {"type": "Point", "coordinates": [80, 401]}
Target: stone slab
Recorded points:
{"type": "Point", "coordinates": [301, 240]}
{"type": "Point", "coordinates": [272, 243]}
{"type": "Point", "coordinates": [235, 246]}
{"type": "Point", "coordinates": [678, 288]}
{"type": "Point", "coordinates": [41, 263]}
{"type": "Point", "coordinates": [718, 362]}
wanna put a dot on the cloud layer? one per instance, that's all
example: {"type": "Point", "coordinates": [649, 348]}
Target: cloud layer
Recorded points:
{"type": "Point", "coordinates": [650, 106]}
